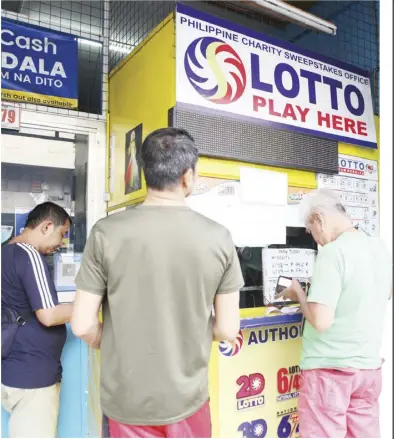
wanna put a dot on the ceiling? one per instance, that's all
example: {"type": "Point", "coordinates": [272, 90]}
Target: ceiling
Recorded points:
{"type": "Point", "coordinates": [249, 8]}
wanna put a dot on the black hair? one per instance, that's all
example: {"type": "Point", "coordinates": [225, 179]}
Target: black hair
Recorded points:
{"type": "Point", "coordinates": [47, 212]}
{"type": "Point", "coordinates": [166, 155]}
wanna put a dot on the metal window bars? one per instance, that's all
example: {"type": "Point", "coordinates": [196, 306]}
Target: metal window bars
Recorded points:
{"type": "Point", "coordinates": [109, 30]}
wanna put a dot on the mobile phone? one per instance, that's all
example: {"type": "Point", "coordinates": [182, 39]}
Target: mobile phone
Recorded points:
{"type": "Point", "coordinates": [283, 283]}
{"type": "Point", "coordinates": [305, 286]}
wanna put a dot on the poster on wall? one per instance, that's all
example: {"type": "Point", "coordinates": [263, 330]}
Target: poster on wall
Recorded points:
{"type": "Point", "coordinates": [357, 184]}
{"type": "Point", "coordinates": [39, 66]}
{"type": "Point", "coordinates": [133, 144]}
{"type": "Point", "coordinates": [258, 398]}
{"type": "Point", "coordinates": [227, 68]}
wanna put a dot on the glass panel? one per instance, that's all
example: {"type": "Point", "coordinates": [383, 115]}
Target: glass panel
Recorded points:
{"type": "Point", "coordinates": [23, 187]}
{"type": "Point", "coordinates": [250, 258]}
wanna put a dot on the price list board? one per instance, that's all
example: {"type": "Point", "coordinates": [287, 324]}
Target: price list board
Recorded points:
{"type": "Point", "coordinates": [289, 262]}
{"type": "Point", "coordinates": [357, 184]}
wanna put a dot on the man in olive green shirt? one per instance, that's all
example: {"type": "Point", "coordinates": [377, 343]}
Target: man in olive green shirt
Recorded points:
{"type": "Point", "coordinates": [344, 312]}
{"type": "Point", "coordinates": [160, 267]}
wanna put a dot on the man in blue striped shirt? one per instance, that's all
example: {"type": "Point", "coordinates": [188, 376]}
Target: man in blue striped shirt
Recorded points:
{"type": "Point", "coordinates": [31, 372]}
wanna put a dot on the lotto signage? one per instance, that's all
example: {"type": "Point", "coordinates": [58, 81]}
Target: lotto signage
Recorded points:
{"type": "Point", "coordinates": [227, 68]}
{"type": "Point", "coordinates": [259, 381]}
{"type": "Point", "coordinates": [38, 66]}
{"type": "Point", "coordinates": [357, 167]}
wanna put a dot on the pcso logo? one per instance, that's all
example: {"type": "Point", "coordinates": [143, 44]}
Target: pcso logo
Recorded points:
{"type": "Point", "coordinates": [350, 166]}
{"type": "Point", "coordinates": [231, 349]}
{"type": "Point", "coordinates": [215, 70]}
{"type": "Point", "coordinates": [371, 169]}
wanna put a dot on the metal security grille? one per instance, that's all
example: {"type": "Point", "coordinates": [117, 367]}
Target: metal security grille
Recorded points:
{"type": "Point", "coordinates": [356, 42]}
{"type": "Point", "coordinates": [109, 30]}
{"type": "Point", "coordinates": [87, 20]}
{"type": "Point", "coordinates": [130, 24]}
{"type": "Point", "coordinates": [223, 137]}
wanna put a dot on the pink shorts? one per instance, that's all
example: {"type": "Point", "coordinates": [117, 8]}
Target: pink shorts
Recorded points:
{"type": "Point", "coordinates": [339, 403]}
{"type": "Point", "coordinates": [197, 425]}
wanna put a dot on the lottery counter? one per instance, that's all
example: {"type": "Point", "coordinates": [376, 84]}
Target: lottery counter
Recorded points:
{"type": "Point", "coordinates": [257, 125]}
{"type": "Point", "coordinates": [254, 381]}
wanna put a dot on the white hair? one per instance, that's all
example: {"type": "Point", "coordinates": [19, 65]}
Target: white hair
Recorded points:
{"type": "Point", "coordinates": [323, 201]}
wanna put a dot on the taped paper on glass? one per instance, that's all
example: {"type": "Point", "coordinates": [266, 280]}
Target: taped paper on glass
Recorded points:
{"type": "Point", "coordinates": [263, 187]}
{"type": "Point", "coordinates": [249, 225]}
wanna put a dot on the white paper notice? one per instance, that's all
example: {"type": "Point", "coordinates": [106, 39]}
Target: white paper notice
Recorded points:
{"type": "Point", "coordinates": [263, 187]}
{"type": "Point", "coordinates": [293, 216]}
{"type": "Point", "coordinates": [293, 211]}
{"type": "Point", "coordinates": [67, 266]}
{"type": "Point", "coordinates": [250, 225]}
{"type": "Point", "coordinates": [289, 262]}
{"type": "Point", "coordinates": [257, 226]}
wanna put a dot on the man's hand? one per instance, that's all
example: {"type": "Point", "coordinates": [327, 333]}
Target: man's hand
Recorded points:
{"type": "Point", "coordinates": [321, 317]}
{"type": "Point", "coordinates": [93, 338]}
{"type": "Point", "coordinates": [57, 315]}
{"type": "Point", "coordinates": [295, 292]}
{"type": "Point", "coordinates": [85, 322]}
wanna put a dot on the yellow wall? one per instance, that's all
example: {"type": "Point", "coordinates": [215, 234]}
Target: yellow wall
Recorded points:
{"type": "Point", "coordinates": [141, 90]}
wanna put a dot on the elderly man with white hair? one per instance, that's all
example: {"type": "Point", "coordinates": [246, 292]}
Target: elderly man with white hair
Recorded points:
{"type": "Point", "coordinates": [344, 320]}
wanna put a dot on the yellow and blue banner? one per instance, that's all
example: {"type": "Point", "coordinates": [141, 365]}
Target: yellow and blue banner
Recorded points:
{"type": "Point", "coordinates": [38, 66]}
{"type": "Point", "coordinates": [259, 378]}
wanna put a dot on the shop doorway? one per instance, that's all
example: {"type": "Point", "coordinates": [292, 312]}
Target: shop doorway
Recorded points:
{"type": "Point", "coordinates": [48, 165]}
